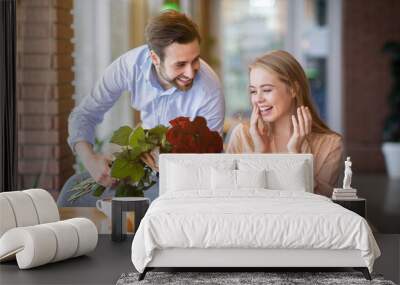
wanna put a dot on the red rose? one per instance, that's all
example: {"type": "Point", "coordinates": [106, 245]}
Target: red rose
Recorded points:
{"type": "Point", "coordinates": [199, 124]}
{"type": "Point", "coordinates": [205, 135]}
{"type": "Point", "coordinates": [217, 142]}
{"type": "Point", "coordinates": [188, 143]}
{"type": "Point", "coordinates": [193, 137]}
{"type": "Point", "coordinates": [214, 143]}
{"type": "Point", "coordinates": [182, 122]}
{"type": "Point", "coordinates": [172, 135]}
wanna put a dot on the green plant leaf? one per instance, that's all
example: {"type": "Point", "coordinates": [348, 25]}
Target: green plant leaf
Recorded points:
{"type": "Point", "coordinates": [120, 191]}
{"type": "Point", "coordinates": [152, 139]}
{"type": "Point", "coordinates": [77, 194]}
{"type": "Point", "coordinates": [146, 147]}
{"type": "Point", "coordinates": [97, 190]}
{"type": "Point", "coordinates": [120, 168]}
{"type": "Point", "coordinates": [121, 136]}
{"type": "Point", "coordinates": [137, 172]}
{"type": "Point", "coordinates": [132, 191]}
{"type": "Point", "coordinates": [165, 145]}
{"type": "Point", "coordinates": [146, 177]}
{"type": "Point", "coordinates": [82, 184]}
{"type": "Point", "coordinates": [123, 169]}
{"type": "Point", "coordinates": [134, 153]}
{"type": "Point", "coordinates": [137, 137]}
{"type": "Point", "coordinates": [127, 190]}
{"type": "Point", "coordinates": [158, 132]}
{"type": "Point", "coordinates": [83, 188]}
{"type": "Point", "coordinates": [121, 155]}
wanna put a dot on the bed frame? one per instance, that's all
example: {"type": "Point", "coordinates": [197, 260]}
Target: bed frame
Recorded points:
{"type": "Point", "coordinates": [242, 259]}
{"type": "Point", "coordinates": [246, 258]}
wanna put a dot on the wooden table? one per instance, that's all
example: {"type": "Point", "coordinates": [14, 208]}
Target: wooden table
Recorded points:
{"type": "Point", "coordinates": [102, 222]}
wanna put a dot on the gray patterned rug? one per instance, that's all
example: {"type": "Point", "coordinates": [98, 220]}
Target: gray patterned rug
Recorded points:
{"type": "Point", "coordinates": [230, 278]}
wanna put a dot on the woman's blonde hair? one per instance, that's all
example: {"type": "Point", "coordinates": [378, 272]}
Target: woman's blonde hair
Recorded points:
{"type": "Point", "coordinates": [290, 72]}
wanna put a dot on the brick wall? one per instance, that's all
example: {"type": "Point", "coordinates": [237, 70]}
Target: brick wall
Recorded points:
{"type": "Point", "coordinates": [367, 25]}
{"type": "Point", "coordinates": [45, 90]}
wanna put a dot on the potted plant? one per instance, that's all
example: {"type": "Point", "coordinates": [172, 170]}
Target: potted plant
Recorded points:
{"type": "Point", "coordinates": [391, 132]}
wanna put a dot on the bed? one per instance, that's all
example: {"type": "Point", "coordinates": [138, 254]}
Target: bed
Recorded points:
{"type": "Point", "coordinates": [247, 210]}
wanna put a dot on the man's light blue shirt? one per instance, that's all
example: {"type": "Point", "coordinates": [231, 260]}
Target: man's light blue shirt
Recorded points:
{"type": "Point", "coordinates": [134, 72]}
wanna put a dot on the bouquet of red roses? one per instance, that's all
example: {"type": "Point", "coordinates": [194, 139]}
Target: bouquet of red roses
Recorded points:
{"type": "Point", "coordinates": [187, 136]}
{"type": "Point", "coordinates": [133, 175]}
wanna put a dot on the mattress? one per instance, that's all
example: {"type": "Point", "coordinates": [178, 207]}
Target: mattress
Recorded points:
{"type": "Point", "coordinates": [251, 219]}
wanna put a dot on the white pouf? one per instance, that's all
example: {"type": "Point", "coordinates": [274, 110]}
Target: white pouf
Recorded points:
{"type": "Point", "coordinates": [22, 207]}
{"type": "Point", "coordinates": [31, 232]}
{"type": "Point", "coordinates": [46, 208]}
{"type": "Point", "coordinates": [7, 218]}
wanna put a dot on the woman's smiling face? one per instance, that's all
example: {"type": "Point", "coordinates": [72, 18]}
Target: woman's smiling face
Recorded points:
{"type": "Point", "coordinates": [270, 94]}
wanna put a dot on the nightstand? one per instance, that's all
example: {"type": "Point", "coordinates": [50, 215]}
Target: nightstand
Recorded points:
{"type": "Point", "coordinates": [358, 206]}
{"type": "Point", "coordinates": [139, 205]}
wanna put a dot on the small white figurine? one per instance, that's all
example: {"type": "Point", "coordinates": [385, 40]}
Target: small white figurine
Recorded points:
{"type": "Point", "coordinates": [347, 174]}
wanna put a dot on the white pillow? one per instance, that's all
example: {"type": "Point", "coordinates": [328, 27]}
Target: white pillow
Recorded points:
{"type": "Point", "coordinates": [182, 177]}
{"type": "Point", "coordinates": [251, 178]}
{"type": "Point", "coordinates": [185, 175]}
{"type": "Point", "coordinates": [293, 179]}
{"type": "Point", "coordinates": [281, 174]}
{"type": "Point", "coordinates": [226, 179]}
{"type": "Point", "coordinates": [223, 179]}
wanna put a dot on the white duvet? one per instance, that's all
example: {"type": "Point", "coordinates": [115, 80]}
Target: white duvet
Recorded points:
{"type": "Point", "coordinates": [252, 218]}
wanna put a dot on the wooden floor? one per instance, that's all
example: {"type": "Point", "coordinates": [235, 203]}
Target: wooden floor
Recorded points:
{"type": "Point", "coordinates": [102, 266]}
{"type": "Point", "coordinates": [110, 259]}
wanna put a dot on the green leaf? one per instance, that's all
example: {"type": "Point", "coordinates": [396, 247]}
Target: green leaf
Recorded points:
{"type": "Point", "coordinates": [146, 177]}
{"type": "Point", "coordinates": [137, 172]}
{"type": "Point", "coordinates": [97, 190]}
{"type": "Point", "coordinates": [137, 137]}
{"type": "Point", "coordinates": [152, 139]}
{"type": "Point", "coordinates": [120, 168]}
{"type": "Point", "coordinates": [123, 169]}
{"type": "Point", "coordinates": [122, 155]}
{"type": "Point", "coordinates": [126, 190]}
{"type": "Point", "coordinates": [120, 191]}
{"type": "Point", "coordinates": [83, 184]}
{"type": "Point", "coordinates": [132, 191]}
{"type": "Point", "coordinates": [159, 132]}
{"type": "Point", "coordinates": [134, 153]}
{"type": "Point", "coordinates": [165, 146]}
{"type": "Point", "coordinates": [78, 193]}
{"type": "Point", "coordinates": [146, 147]}
{"type": "Point", "coordinates": [121, 136]}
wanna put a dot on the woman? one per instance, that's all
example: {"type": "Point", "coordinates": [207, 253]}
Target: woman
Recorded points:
{"type": "Point", "coordinates": [284, 120]}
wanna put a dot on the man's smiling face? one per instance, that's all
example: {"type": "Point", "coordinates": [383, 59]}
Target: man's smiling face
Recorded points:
{"type": "Point", "coordinates": [180, 65]}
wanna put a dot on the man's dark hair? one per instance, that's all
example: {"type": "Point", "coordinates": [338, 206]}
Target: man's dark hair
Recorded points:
{"type": "Point", "coordinates": [170, 27]}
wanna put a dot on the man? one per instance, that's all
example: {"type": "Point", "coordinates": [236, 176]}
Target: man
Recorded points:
{"type": "Point", "coordinates": [166, 79]}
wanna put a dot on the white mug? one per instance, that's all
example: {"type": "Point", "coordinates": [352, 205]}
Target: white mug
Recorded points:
{"type": "Point", "coordinates": [105, 207]}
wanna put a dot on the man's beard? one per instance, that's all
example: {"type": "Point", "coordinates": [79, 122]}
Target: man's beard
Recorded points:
{"type": "Point", "coordinates": [174, 82]}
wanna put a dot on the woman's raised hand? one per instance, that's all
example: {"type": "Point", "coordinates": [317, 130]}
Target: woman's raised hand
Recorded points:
{"type": "Point", "coordinates": [259, 144]}
{"type": "Point", "coordinates": [301, 128]}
